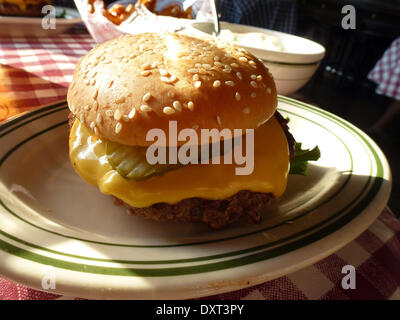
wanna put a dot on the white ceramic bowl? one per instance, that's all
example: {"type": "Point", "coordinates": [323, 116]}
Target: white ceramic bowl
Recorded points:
{"type": "Point", "coordinates": [292, 67]}
{"type": "Point", "coordinates": [291, 77]}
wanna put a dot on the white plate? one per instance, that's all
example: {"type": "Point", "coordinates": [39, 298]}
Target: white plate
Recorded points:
{"type": "Point", "coordinates": [53, 222]}
{"type": "Point", "coordinates": [26, 26]}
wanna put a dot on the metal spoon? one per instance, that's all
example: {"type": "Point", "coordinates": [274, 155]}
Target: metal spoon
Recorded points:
{"type": "Point", "coordinates": [214, 10]}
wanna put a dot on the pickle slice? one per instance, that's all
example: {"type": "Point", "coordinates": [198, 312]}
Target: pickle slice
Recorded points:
{"type": "Point", "coordinates": [131, 163]}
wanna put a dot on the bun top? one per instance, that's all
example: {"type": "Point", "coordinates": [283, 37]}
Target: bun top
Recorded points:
{"type": "Point", "coordinates": [124, 87]}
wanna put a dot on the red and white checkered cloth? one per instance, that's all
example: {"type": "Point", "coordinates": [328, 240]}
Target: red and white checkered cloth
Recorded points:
{"type": "Point", "coordinates": [386, 72]}
{"type": "Point", "coordinates": [37, 71]}
{"type": "Point", "coordinates": [40, 70]}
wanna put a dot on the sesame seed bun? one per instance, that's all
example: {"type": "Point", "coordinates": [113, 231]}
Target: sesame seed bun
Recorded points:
{"type": "Point", "coordinates": [127, 86]}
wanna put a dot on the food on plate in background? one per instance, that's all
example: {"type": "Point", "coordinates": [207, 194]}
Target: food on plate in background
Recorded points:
{"type": "Point", "coordinates": [118, 13]}
{"type": "Point", "coordinates": [121, 91]}
{"type": "Point", "coordinates": [23, 8]}
{"type": "Point", "coordinates": [173, 10]}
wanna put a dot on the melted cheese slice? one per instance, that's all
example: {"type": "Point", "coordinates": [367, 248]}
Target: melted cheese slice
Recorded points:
{"type": "Point", "coordinates": [210, 181]}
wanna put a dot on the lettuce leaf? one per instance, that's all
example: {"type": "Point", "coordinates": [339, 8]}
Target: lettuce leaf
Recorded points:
{"type": "Point", "coordinates": [300, 162]}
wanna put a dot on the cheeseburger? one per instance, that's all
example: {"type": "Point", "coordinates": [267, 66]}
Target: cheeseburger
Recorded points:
{"type": "Point", "coordinates": [124, 88]}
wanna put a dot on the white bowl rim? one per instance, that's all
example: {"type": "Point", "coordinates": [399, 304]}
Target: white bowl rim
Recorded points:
{"type": "Point", "coordinates": [273, 55]}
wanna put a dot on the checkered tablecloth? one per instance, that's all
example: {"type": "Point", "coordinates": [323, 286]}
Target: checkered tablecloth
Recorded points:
{"type": "Point", "coordinates": [386, 73]}
{"type": "Point", "coordinates": [37, 71]}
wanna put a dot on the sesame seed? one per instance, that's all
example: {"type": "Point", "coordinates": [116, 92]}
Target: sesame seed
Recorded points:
{"type": "Point", "coordinates": [230, 83]}
{"type": "Point", "coordinates": [86, 107]}
{"type": "Point", "coordinates": [117, 115]}
{"type": "Point", "coordinates": [145, 108]}
{"type": "Point", "coordinates": [87, 82]}
{"type": "Point", "coordinates": [132, 113]}
{"type": "Point", "coordinates": [239, 75]}
{"type": "Point", "coordinates": [172, 78]}
{"type": "Point", "coordinates": [145, 73]}
{"type": "Point", "coordinates": [237, 96]}
{"type": "Point", "coordinates": [193, 70]}
{"type": "Point", "coordinates": [216, 83]}
{"type": "Point", "coordinates": [269, 90]}
{"type": "Point", "coordinates": [125, 118]}
{"type": "Point", "coordinates": [206, 66]}
{"type": "Point", "coordinates": [196, 77]}
{"type": "Point", "coordinates": [219, 64]}
{"type": "Point", "coordinates": [132, 55]}
{"type": "Point", "coordinates": [168, 110]}
{"type": "Point", "coordinates": [177, 105]}
{"type": "Point", "coordinates": [253, 84]}
{"type": "Point", "coordinates": [164, 79]}
{"type": "Point", "coordinates": [92, 125]}
{"type": "Point", "coordinates": [246, 110]}
{"type": "Point", "coordinates": [98, 118]}
{"type": "Point", "coordinates": [163, 72]}
{"type": "Point", "coordinates": [244, 59]}
{"type": "Point", "coordinates": [216, 58]}
{"type": "Point", "coordinates": [197, 84]}
{"type": "Point", "coordinates": [253, 95]}
{"type": "Point", "coordinates": [198, 65]}
{"type": "Point", "coordinates": [190, 105]}
{"type": "Point", "coordinates": [118, 127]}
{"type": "Point", "coordinates": [235, 65]}
{"type": "Point", "coordinates": [259, 77]}
{"type": "Point", "coordinates": [219, 120]}
{"type": "Point", "coordinates": [251, 62]}
{"type": "Point", "coordinates": [111, 83]}
{"type": "Point", "coordinates": [109, 113]}
{"type": "Point", "coordinates": [146, 66]}
{"type": "Point", "coordinates": [96, 132]}
{"type": "Point", "coordinates": [147, 96]}
{"type": "Point", "coordinates": [95, 94]}
{"type": "Point", "coordinates": [253, 76]}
